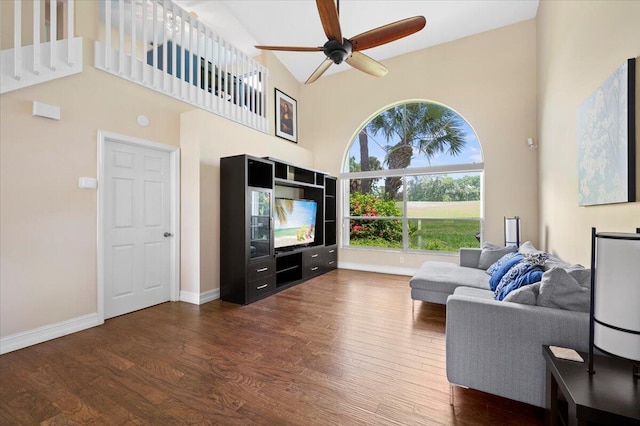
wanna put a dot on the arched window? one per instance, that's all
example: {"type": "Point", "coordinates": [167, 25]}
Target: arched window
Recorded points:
{"type": "Point", "coordinates": [413, 181]}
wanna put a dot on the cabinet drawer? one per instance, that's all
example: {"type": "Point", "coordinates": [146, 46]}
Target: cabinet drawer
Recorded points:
{"type": "Point", "coordinates": [260, 288]}
{"type": "Point", "coordinates": [331, 260]}
{"type": "Point", "coordinates": [312, 262]}
{"type": "Point", "coordinates": [261, 269]}
{"type": "Point", "coordinates": [312, 257]}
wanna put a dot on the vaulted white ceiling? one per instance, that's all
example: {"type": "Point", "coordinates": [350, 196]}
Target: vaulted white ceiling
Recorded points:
{"type": "Point", "coordinates": [246, 23]}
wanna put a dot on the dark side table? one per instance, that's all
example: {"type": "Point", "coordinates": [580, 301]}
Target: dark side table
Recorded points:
{"type": "Point", "coordinates": [611, 396]}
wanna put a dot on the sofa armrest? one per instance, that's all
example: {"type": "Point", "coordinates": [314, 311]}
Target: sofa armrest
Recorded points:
{"type": "Point", "coordinates": [470, 257]}
{"type": "Point", "coordinates": [496, 347]}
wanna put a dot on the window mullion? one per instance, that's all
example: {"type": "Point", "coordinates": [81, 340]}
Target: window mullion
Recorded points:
{"type": "Point", "coordinates": [405, 214]}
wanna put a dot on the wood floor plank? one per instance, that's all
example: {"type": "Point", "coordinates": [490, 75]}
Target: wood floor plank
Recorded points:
{"type": "Point", "coordinates": [346, 348]}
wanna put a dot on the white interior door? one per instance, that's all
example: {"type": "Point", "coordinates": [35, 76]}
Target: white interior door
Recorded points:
{"type": "Point", "coordinates": [136, 227]}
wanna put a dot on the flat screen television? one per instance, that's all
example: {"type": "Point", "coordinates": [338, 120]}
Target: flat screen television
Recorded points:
{"type": "Point", "coordinates": [294, 222]}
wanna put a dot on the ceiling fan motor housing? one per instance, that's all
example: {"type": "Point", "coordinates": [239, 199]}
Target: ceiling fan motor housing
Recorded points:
{"type": "Point", "coordinates": [337, 51]}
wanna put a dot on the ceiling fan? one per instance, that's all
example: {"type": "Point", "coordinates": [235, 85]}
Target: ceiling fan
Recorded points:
{"type": "Point", "coordinates": [339, 49]}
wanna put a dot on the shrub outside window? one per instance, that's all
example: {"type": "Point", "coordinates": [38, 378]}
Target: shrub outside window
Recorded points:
{"type": "Point", "coordinates": [421, 185]}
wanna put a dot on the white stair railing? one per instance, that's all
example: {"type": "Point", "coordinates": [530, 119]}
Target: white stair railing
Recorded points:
{"type": "Point", "coordinates": [26, 59]}
{"type": "Point", "coordinates": [158, 45]}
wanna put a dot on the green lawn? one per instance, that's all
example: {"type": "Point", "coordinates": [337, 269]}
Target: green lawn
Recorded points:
{"type": "Point", "coordinates": [443, 235]}
{"type": "Point", "coordinates": [441, 232]}
{"type": "Point", "coordinates": [432, 234]}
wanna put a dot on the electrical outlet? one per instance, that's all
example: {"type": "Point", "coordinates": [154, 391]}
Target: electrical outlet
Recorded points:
{"type": "Point", "coordinates": [401, 259]}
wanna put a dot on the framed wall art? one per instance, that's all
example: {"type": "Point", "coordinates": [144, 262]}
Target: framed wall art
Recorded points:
{"type": "Point", "coordinates": [606, 141]}
{"type": "Point", "coordinates": [286, 117]}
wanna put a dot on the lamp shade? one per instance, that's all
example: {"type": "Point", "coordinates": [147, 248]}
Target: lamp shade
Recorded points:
{"type": "Point", "coordinates": [616, 304]}
{"type": "Point", "coordinates": [512, 231]}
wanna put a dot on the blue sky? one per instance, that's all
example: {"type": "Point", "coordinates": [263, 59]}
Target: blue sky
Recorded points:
{"type": "Point", "coordinates": [470, 154]}
{"type": "Point", "coordinates": [304, 213]}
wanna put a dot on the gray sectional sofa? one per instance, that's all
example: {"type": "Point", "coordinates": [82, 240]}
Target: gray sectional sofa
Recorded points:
{"type": "Point", "coordinates": [496, 346]}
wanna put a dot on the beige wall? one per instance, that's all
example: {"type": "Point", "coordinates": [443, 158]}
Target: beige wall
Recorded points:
{"type": "Point", "coordinates": [205, 139]}
{"type": "Point", "coordinates": [579, 45]}
{"type": "Point", "coordinates": [48, 225]}
{"type": "Point", "coordinates": [489, 79]}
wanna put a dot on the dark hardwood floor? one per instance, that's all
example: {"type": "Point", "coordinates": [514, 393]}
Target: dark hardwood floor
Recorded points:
{"type": "Point", "coordinates": [344, 348]}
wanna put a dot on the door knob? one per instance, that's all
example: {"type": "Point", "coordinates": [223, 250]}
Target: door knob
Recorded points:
{"type": "Point", "coordinates": [168, 234]}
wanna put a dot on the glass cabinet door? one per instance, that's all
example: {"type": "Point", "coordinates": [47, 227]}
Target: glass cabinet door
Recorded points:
{"type": "Point", "coordinates": [260, 222]}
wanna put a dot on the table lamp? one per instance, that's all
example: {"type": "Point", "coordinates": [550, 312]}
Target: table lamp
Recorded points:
{"type": "Point", "coordinates": [614, 320]}
{"type": "Point", "coordinates": [512, 231]}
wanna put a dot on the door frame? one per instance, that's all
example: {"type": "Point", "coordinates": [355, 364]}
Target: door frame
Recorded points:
{"type": "Point", "coordinates": [104, 138]}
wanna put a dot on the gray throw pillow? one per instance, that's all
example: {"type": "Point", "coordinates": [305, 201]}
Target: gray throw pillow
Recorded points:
{"type": "Point", "coordinates": [561, 289]}
{"type": "Point", "coordinates": [525, 295]}
{"type": "Point", "coordinates": [554, 262]}
{"type": "Point", "coordinates": [527, 248]}
{"type": "Point", "coordinates": [491, 253]}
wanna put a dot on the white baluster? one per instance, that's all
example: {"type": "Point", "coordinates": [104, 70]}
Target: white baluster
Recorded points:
{"type": "Point", "coordinates": [183, 65]}
{"type": "Point", "coordinates": [121, 37]}
{"type": "Point", "coordinates": [207, 77]}
{"type": "Point", "coordinates": [70, 30]}
{"type": "Point", "coordinates": [53, 32]}
{"type": "Point", "coordinates": [107, 35]}
{"type": "Point", "coordinates": [217, 70]}
{"type": "Point", "coordinates": [198, 55]}
{"type": "Point", "coordinates": [144, 61]}
{"type": "Point", "coordinates": [134, 50]}
{"type": "Point", "coordinates": [36, 38]}
{"type": "Point", "coordinates": [165, 37]}
{"type": "Point", "coordinates": [155, 43]}
{"type": "Point", "coordinates": [17, 40]}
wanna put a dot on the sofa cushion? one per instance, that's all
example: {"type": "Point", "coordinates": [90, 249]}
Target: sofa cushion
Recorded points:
{"type": "Point", "coordinates": [562, 289]}
{"type": "Point", "coordinates": [491, 253]}
{"type": "Point", "coordinates": [474, 292]}
{"type": "Point", "coordinates": [527, 295]}
{"type": "Point", "coordinates": [446, 277]}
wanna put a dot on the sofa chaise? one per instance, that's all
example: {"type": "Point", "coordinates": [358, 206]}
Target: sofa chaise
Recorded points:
{"type": "Point", "coordinates": [496, 346]}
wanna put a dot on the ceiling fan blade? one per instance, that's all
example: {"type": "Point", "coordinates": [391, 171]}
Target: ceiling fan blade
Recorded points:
{"type": "Point", "coordinates": [319, 71]}
{"type": "Point", "coordinates": [366, 64]}
{"type": "Point", "coordinates": [290, 48]}
{"type": "Point", "coordinates": [329, 18]}
{"type": "Point", "coordinates": [388, 33]}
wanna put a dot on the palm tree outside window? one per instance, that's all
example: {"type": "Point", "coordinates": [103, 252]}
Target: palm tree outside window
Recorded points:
{"type": "Point", "coordinates": [413, 175]}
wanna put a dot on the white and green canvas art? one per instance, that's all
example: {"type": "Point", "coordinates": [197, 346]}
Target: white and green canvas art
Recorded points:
{"type": "Point", "coordinates": [604, 175]}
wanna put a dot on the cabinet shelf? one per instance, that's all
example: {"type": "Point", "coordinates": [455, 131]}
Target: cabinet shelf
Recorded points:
{"type": "Point", "coordinates": [287, 182]}
{"type": "Point", "coordinates": [290, 268]}
{"type": "Point", "coordinates": [250, 268]}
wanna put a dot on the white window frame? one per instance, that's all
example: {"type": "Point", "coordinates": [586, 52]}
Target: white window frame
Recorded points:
{"type": "Point", "coordinates": [403, 173]}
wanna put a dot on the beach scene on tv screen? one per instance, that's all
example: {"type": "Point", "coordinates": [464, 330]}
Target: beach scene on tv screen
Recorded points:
{"type": "Point", "coordinates": [295, 222]}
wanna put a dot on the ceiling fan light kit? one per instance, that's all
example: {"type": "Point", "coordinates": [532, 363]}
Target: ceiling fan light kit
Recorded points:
{"type": "Point", "coordinates": [338, 49]}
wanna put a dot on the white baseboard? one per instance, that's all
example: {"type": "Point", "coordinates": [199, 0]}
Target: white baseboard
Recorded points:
{"type": "Point", "coordinates": [199, 298]}
{"type": "Point", "coordinates": [47, 332]}
{"type": "Point", "coordinates": [382, 269]}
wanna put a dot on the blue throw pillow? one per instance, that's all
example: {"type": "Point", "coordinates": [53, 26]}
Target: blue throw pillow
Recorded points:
{"type": "Point", "coordinates": [516, 270]}
{"type": "Point", "coordinates": [502, 270]}
{"type": "Point", "coordinates": [532, 276]}
{"type": "Point", "coordinates": [493, 268]}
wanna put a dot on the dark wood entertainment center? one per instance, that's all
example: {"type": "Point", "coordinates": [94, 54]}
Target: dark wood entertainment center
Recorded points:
{"type": "Point", "coordinates": [250, 267]}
